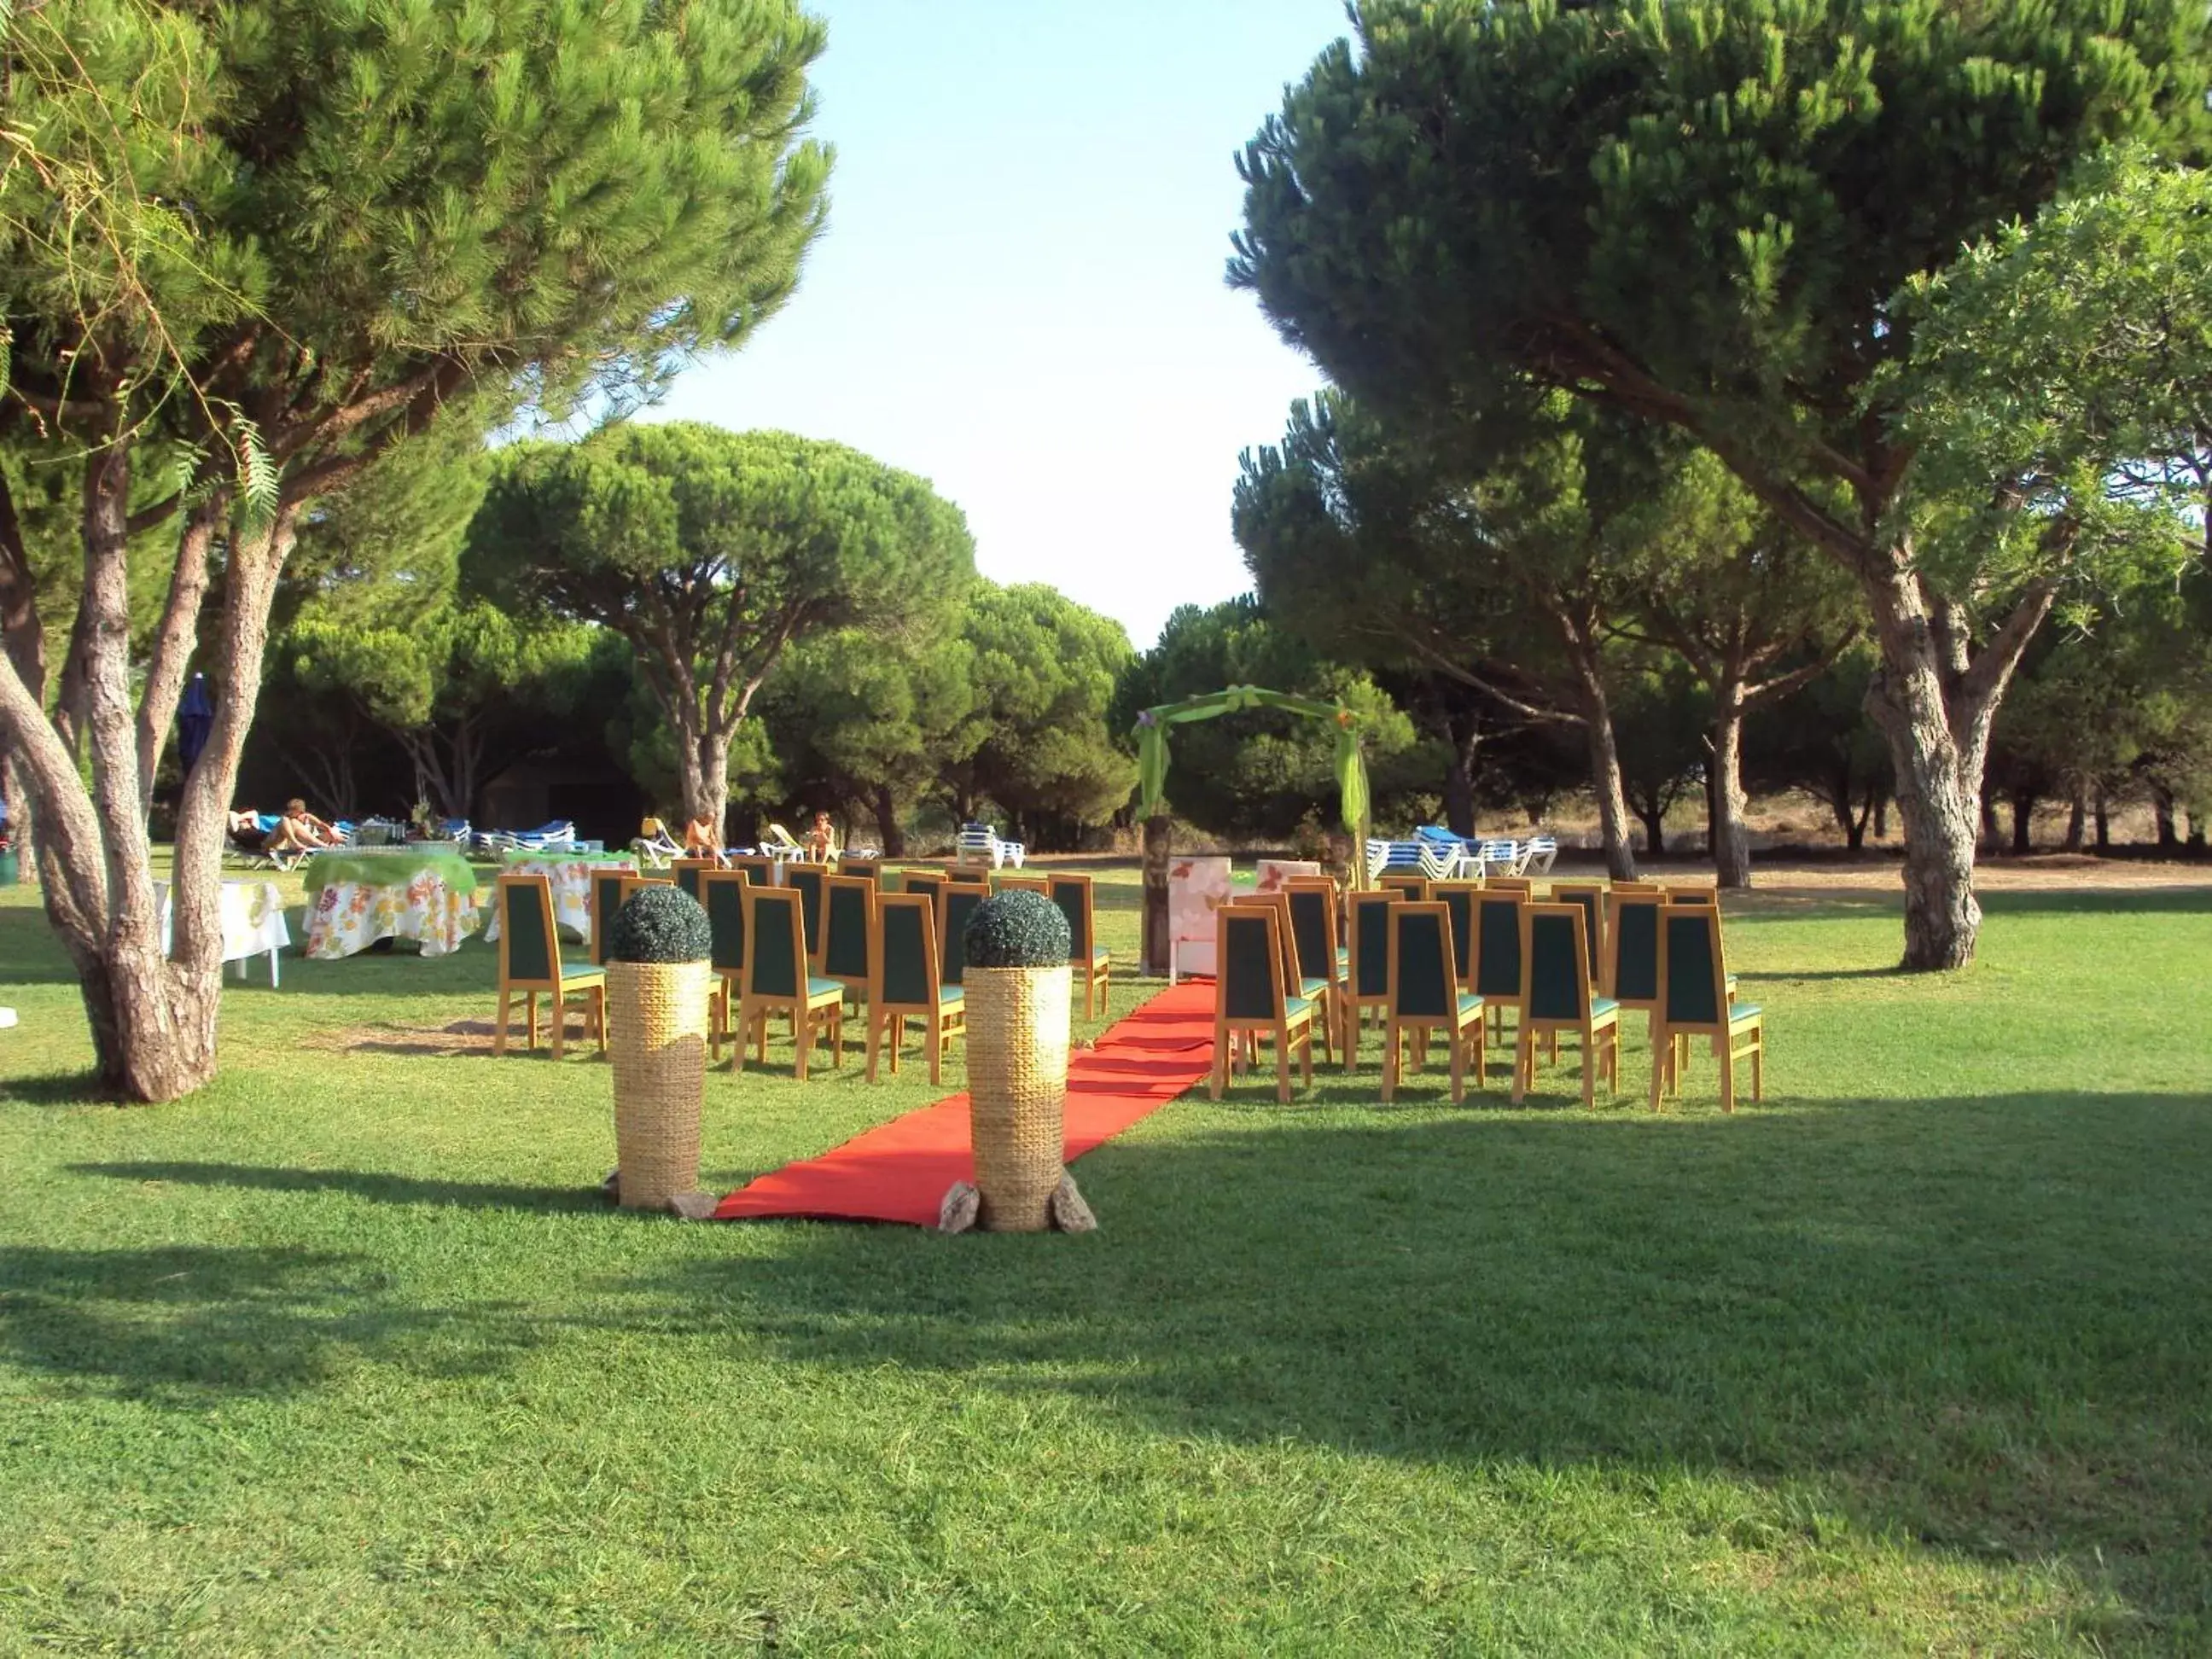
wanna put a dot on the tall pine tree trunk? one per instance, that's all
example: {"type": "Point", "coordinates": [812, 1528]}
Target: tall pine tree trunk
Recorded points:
{"type": "Point", "coordinates": [1731, 839]}
{"type": "Point", "coordinates": [2023, 823]}
{"type": "Point", "coordinates": [2077, 820]}
{"type": "Point", "coordinates": [1605, 784]}
{"type": "Point", "coordinates": [887, 827]}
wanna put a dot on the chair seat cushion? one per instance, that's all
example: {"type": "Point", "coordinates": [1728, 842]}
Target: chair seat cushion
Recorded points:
{"type": "Point", "coordinates": [1296, 1007]}
{"type": "Point", "coordinates": [1603, 1006]}
{"type": "Point", "coordinates": [822, 987]}
{"type": "Point", "coordinates": [1739, 1012]}
{"type": "Point", "coordinates": [947, 995]}
{"type": "Point", "coordinates": [1310, 989]}
{"type": "Point", "coordinates": [582, 978]}
{"type": "Point", "coordinates": [1099, 959]}
{"type": "Point", "coordinates": [1469, 1003]}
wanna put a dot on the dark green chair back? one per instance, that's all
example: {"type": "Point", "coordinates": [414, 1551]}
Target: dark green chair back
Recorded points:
{"type": "Point", "coordinates": [724, 896]}
{"type": "Point", "coordinates": [1403, 883]}
{"type": "Point", "coordinates": [1692, 943]}
{"type": "Point", "coordinates": [845, 927]}
{"type": "Point", "coordinates": [866, 869]}
{"type": "Point", "coordinates": [1498, 945]}
{"type": "Point", "coordinates": [687, 877]}
{"type": "Point", "coordinates": [1557, 984]}
{"type": "Point", "coordinates": [1460, 901]}
{"type": "Point", "coordinates": [805, 880]}
{"type": "Point", "coordinates": [776, 964]}
{"type": "Point", "coordinates": [1310, 931]}
{"type": "Point", "coordinates": [928, 883]}
{"type": "Point", "coordinates": [1590, 899]}
{"type": "Point", "coordinates": [526, 945]}
{"type": "Point", "coordinates": [1249, 986]}
{"type": "Point", "coordinates": [958, 904]}
{"type": "Point", "coordinates": [910, 939]}
{"type": "Point", "coordinates": [1636, 947]}
{"type": "Point", "coordinates": [1073, 897]}
{"type": "Point", "coordinates": [1420, 949]}
{"type": "Point", "coordinates": [1370, 949]}
{"type": "Point", "coordinates": [606, 899]}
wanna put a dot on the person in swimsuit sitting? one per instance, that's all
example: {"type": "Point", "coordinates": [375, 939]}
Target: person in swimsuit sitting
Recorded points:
{"type": "Point", "coordinates": [299, 830]}
{"type": "Point", "coordinates": [820, 839]}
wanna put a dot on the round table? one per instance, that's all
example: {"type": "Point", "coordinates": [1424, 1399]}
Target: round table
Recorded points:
{"type": "Point", "coordinates": [366, 894]}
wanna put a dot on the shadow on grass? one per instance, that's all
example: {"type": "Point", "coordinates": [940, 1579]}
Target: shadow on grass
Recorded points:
{"type": "Point", "coordinates": [179, 1324]}
{"type": "Point", "coordinates": [383, 1188]}
{"type": "Point", "coordinates": [1980, 1323]}
{"type": "Point", "coordinates": [55, 1089]}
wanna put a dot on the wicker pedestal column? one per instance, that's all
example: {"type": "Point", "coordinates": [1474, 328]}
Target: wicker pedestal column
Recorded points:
{"type": "Point", "coordinates": [657, 1034]}
{"type": "Point", "coordinates": [1018, 1038]}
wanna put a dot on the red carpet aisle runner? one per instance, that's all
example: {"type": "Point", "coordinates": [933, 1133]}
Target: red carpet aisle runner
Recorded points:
{"type": "Point", "coordinates": [899, 1171]}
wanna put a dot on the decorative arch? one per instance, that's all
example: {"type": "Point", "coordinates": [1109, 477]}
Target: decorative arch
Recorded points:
{"type": "Point", "coordinates": [1152, 734]}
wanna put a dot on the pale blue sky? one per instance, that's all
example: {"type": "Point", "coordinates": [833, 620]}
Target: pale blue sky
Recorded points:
{"type": "Point", "coordinates": [1019, 295]}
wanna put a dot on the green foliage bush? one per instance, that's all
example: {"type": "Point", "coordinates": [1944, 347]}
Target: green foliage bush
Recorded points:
{"type": "Point", "coordinates": [661, 924]}
{"type": "Point", "coordinates": [1016, 930]}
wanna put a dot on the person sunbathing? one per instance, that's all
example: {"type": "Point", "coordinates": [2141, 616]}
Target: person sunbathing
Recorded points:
{"type": "Point", "coordinates": [700, 841]}
{"type": "Point", "coordinates": [820, 839]}
{"type": "Point", "coordinates": [300, 831]}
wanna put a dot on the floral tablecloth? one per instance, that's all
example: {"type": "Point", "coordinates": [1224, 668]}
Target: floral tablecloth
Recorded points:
{"type": "Point", "coordinates": [253, 917]}
{"type": "Point", "coordinates": [348, 916]}
{"type": "Point", "coordinates": [571, 875]}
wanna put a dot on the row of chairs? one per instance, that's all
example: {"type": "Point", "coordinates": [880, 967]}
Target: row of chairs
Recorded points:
{"type": "Point", "coordinates": [1455, 957]}
{"type": "Point", "coordinates": [800, 948]}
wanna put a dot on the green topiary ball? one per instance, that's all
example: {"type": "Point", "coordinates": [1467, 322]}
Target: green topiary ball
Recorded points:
{"type": "Point", "coordinates": [659, 924]}
{"type": "Point", "coordinates": [1020, 929]}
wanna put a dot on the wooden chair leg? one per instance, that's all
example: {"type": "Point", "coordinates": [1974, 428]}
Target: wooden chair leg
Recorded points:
{"type": "Point", "coordinates": [1220, 1079]}
{"type": "Point", "coordinates": [1524, 1062]}
{"type": "Point", "coordinates": [599, 1015]}
{"type": "Point", "coordinates": [1727, 1072]}
{"type": "Point", "coordinates": [1458, 1068]}
{"type": "Point", "coordinates": [530, 1017]}
{"type": "Point", "coordinates": [875, 1037]}
{"type": "Point", "coordinates": [1389, 1062]}
{"type": "Point", "coordinates": [499, 1037]}
{"type": "Point", "coordinates": [1282, 1068]}
{"type": "Point", "coordinates": [1758, 1069]}
{"type": "Point", "coordinates": [1590, 1063]}
{"type": "Point", "coordinates": [738, 1038]}
{"type": "Point", "coordinates": [935, 1032]}
{"type": "Point", "coordinates": [560, 1001]}
{"type": "Point", "coordinates": [802, 1033]}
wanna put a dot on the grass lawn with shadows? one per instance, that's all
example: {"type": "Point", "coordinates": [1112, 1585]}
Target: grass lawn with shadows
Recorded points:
{"type": "Point", "coordinates": [344, 1353]}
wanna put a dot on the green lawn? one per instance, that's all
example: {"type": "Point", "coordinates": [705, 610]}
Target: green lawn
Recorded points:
{"type": "Point", "coordinates": [343, 1354]}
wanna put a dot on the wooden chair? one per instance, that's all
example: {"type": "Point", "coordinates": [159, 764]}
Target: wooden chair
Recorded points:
{"type": "Point", "coordinates": [1695, 995]}
{"type": "Point", "coordinates": [1495, 959]}
{"type": "Point", "coordinates": [722, 896]}
{"type": "Point", "coordinates": [849, 927]}
{"type": "Point", "coordinates": [1317, 988]}
{"type": "Point", "coordinates": [868, 870]}
{"type": "Point", "coordinates": [1310, 901]}
{"type": "Point", "coordinates": [805, 880]}
{"type": "Point", "coordinates": [1425, 995]}
{"type": "Point", "coordinates": [1411, 886]}
{"type": "Point", "coordinates": [530, 962]}
{"type": "Point", "coordinates": [1524, 885]}
{"type": "Point", "coordinates": [1631, 975]}
{"type": "Point", "coordinates": [688, 872]}
{"type": "Point", "coordinates": [904, 982]}
{"type": "Point", "coordinates": [1693, 893]}
{"type": "Point", "coordinates": [956, 902]}
{"type": "Point", "coordinates": [1249, 998]}
{"type": "Point", "coordinates": [928, 884]}
{"type": "Point", "coordinates": [1590, 895]}
{"type": "Point", "coordinates": [1367, 967]}
{"type": "Point", "coordinates": [776, 981]}
{"type": "Point", "coordinates": [756, 868]}
{"type": "Point", "coordinates": [1658, 887]}
{"type": "Point", "coordinates": [1005, 882]}
{"type": "Point", "coordinates": [1093, 965]}
{"type": "Point", "coordinates": [608, 889]}
{"type": "Point", "coordinates": [1556, 997]}
{"type": "Point", "coordinates": [1458, 897]}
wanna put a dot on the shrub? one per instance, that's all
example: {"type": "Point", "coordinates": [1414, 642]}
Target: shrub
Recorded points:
{"type": "Point", "coordinates": [1016, 930]}
{"type": "Point", "coordinates": [659, 924]}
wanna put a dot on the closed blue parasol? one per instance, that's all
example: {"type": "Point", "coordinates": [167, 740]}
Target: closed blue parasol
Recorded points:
{"type": "Point", "coordinates": [195, 720]}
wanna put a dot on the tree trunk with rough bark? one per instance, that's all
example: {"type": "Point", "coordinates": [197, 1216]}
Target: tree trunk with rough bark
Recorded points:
{"type": "Point", "coordinates": [2023, 823]}
{"type": "Point", "coordinates": [2077, 821]}
{"type": "Point", "coordinates": [1158, 843]}
{"type": "Point", "coordinates": [2161, 812]}
{"type": "Point", "coordinates": [1653, 816]}
{"type": "Point", "coordinates": [889, 829]}
{"type": "Point", "coordinates": [1731, 839]}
